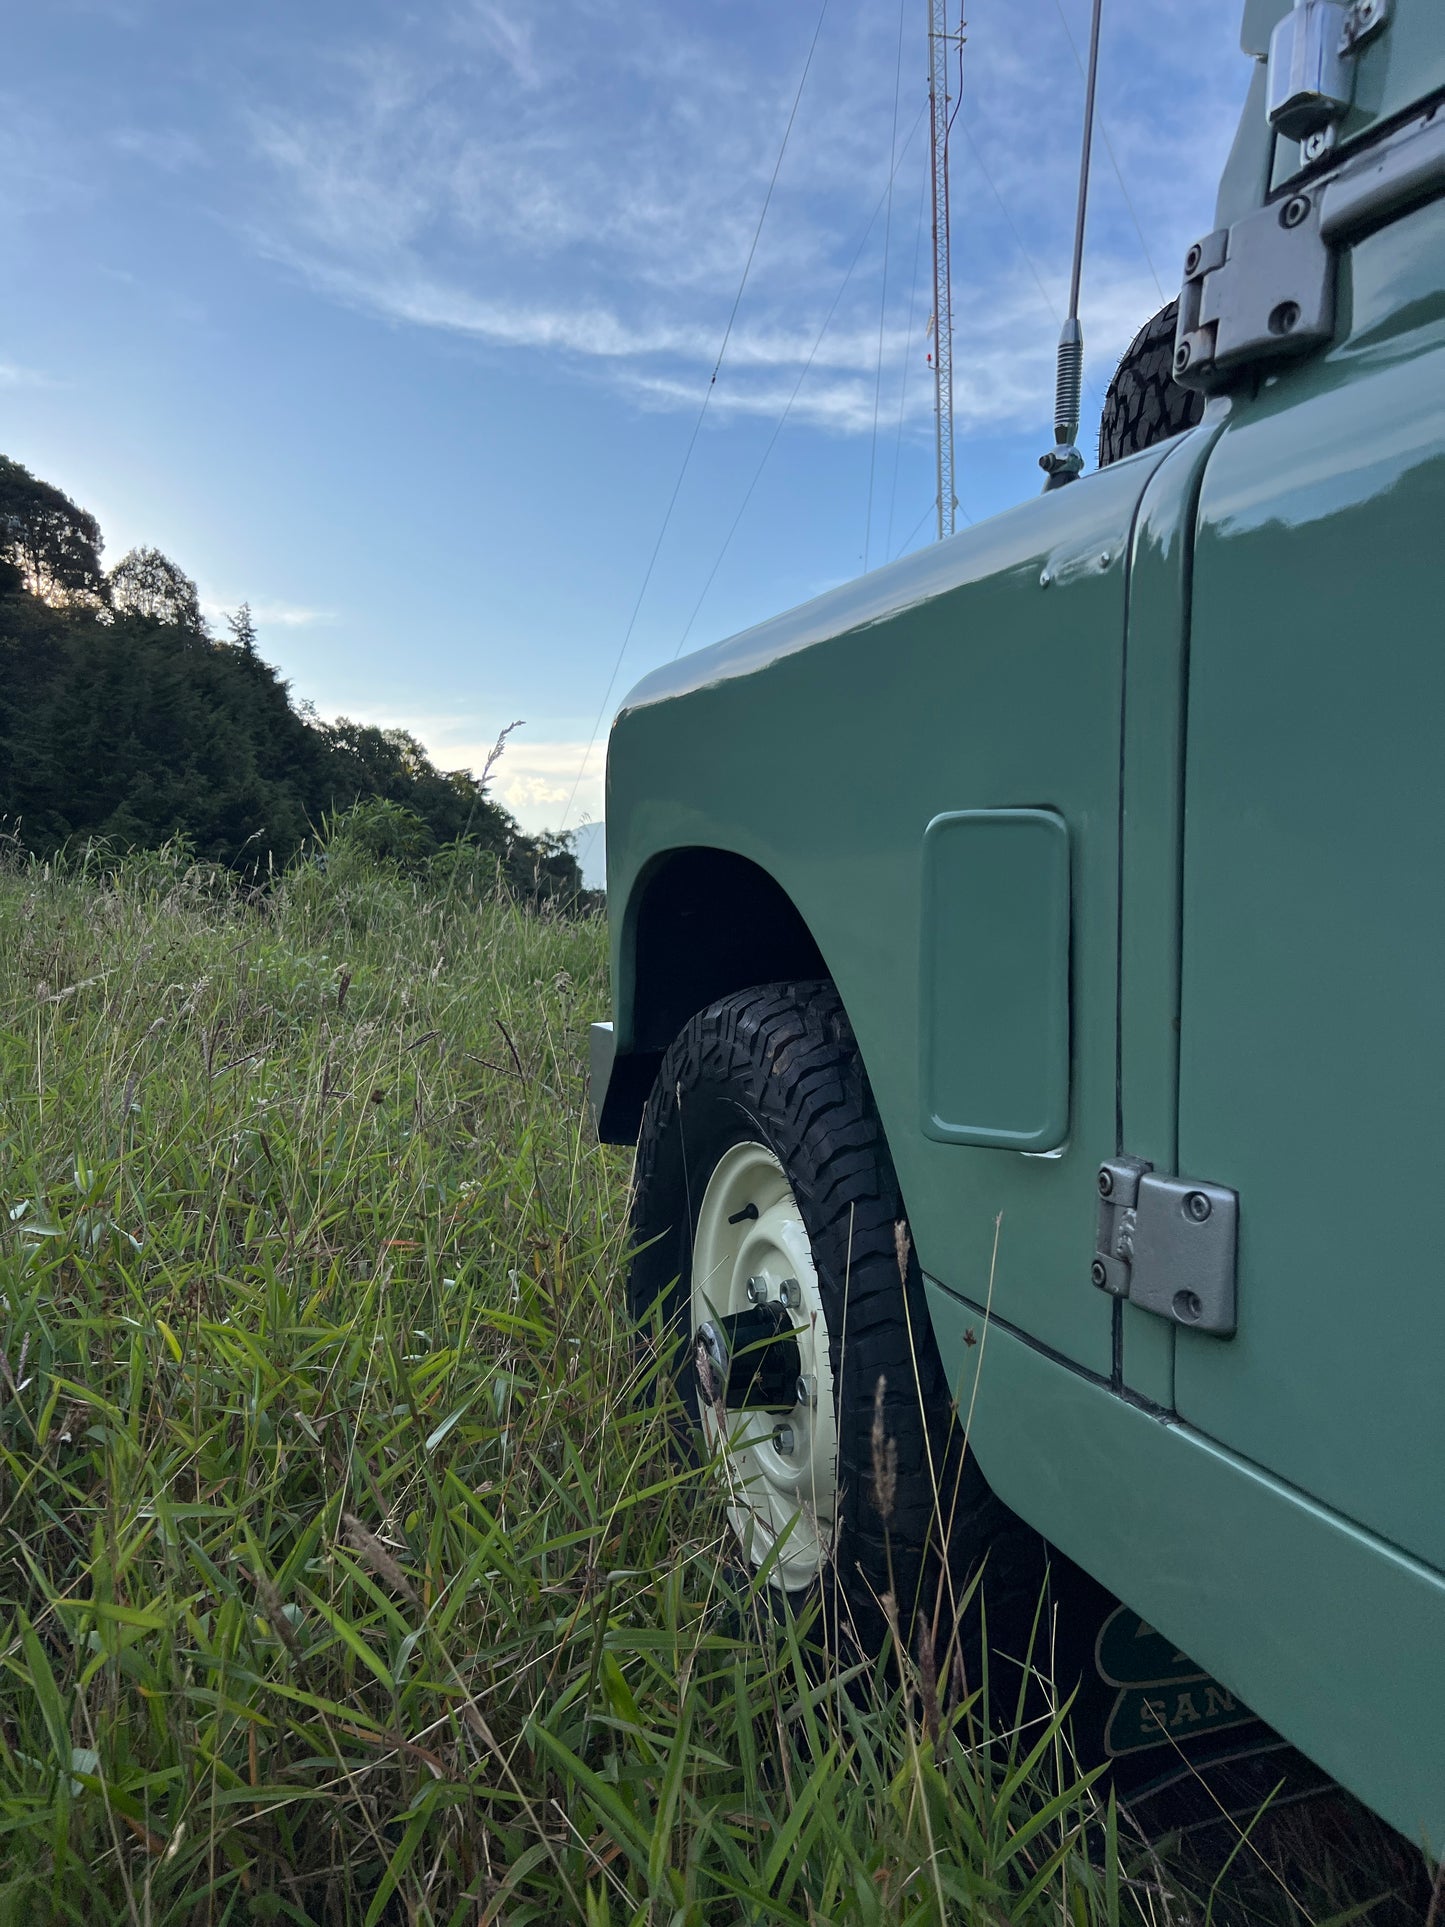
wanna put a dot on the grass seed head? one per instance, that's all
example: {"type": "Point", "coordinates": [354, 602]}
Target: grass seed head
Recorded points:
{"type": "Point", "coordinates": [375, 1556]}
{"type": "Point", "coordinates": [279, 1619]}
{"type": "Point", "coordinates": [885, 1456]}
{"type": "Point", "coordinates": [928, 1678]}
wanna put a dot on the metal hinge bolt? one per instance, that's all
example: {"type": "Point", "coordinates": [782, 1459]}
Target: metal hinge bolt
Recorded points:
{"type": "Point", "coordinates": [1167, 1244]}
{"type": "Point", "coordinates": [1361, 19]}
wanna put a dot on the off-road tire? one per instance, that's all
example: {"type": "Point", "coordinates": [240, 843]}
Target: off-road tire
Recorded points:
{"type": "Point", "coordinates": [1144, 403]}
{"type": "Point", "coordinates": [778, 1065]}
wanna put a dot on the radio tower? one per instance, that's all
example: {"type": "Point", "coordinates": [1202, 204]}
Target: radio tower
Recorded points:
{"type": "Point", "coordinates": [940, 43]}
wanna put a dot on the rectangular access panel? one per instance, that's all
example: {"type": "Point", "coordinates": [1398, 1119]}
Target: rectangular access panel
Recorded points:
{"type": "Point", "coordinates": [994, 997]}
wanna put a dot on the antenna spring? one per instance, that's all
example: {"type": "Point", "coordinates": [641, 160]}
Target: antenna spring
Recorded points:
{"type": "Point", "coordinates": [1068, 388]}
{"type": "Point", "coordinates": [1063, 461]}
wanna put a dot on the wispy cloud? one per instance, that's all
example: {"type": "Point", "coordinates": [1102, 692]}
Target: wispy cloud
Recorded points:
{"type": "Point", "coordinates": [543, 782]}
{"type": "Point", "coordinates": [168, 149]}
{"type": "Point", "coordinates": [269, 615]}
{"type": "Point", "coordinates": [534, 779]}
{"type": "Point", "coordinates": [499, 30]}
{"type": "Point", "coordinates": [595, 205]}
{"type": "Point", "coordinates": [289, 615]}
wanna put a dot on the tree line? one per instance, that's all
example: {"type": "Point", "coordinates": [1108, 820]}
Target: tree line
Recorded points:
{"type": "Point", "coordinates": [124, 719]}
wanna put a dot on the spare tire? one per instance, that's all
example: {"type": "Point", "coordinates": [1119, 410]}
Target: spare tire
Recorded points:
{"type": "Point", "coordinates": [1145, 404]}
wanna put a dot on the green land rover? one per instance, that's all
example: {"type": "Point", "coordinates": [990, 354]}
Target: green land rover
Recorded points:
{"type": "Point", "coordinates": [1027, 977]}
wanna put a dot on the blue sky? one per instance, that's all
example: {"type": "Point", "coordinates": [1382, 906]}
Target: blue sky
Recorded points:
{"type": "Point", "coordinates": [396, 318]}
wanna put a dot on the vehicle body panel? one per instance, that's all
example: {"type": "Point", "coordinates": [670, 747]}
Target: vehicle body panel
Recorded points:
{"type": "Point", "coordinates": [1391, 70]}
{"type": "Point", "coordinates": [1312, 1070]}
{"type": "Point", "coordinates": [822, 745]}
{"type": "Point", "coordinates": [1329, 1634]}
{"type": "Point", "coordinates": [1160, 580]}
{"type": "Point", "coordinates": [1239, 732]}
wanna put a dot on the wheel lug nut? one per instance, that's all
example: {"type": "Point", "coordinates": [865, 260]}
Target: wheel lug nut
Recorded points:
{"type": "Point", "coordinates": [783, 1439]}
{"type": "Point", "coordinates": [791, 1293]}
{"type": "Point", "coordinates": [807, 1389]}
{"type": "Point", "coordinates": [757, 1291]}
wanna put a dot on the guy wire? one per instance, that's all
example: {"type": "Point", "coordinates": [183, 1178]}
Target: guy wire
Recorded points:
{"type": "Point", "coordinates": [697, 425]}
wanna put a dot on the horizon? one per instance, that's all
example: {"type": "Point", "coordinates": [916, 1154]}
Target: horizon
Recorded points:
{"type": "Point", "coordinates": [400, 330]}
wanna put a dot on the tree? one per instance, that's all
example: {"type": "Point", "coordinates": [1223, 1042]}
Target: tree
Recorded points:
{"type": "Point", "coordinates": [243, 630]}
{"type": "Point", "coordinates": [119, 720]}
{"type": "Point", "coordinates": [147, 583]}
{"type": "Point", "coordinates": [49, 543]}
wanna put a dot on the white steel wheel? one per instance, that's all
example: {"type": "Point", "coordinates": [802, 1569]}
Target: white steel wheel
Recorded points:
{"type": "Point", "coordinates": [780, 1468]}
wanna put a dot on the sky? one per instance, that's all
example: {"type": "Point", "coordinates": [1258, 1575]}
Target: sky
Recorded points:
{"type": "Point", "coordinates": [397, 320]}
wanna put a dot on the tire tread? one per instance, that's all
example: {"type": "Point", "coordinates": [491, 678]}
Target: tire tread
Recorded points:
{"type": "Point", "coordinates": [787, 1054]}
{"type": "Point", "coordinates": [1144, 404]}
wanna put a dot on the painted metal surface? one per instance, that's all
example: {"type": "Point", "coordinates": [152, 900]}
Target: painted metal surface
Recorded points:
{"type": "Point", "coordinates": [1393, 68]}
{"type": "Point", "coordinates": [1328, 1633]}
{"type": "Point", "coordinates": [1149, 851]}
{"type": "Point", "coordinates": [1256, 928]}
{"type": "Point", "coordinates": [1312, 1069]}
{"type": "Point", "coordinates": [601, 1050]}
{"type": "Point", "coordinates": [823, 744]}
{"type": "Point", "coordinates": [1401, 63]}
{"type": "Point", "coordinates": [995, 939]}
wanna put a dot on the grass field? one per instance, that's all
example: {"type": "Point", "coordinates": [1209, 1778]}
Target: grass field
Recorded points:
{"type": "Point", "coordinates": [347, 1575]}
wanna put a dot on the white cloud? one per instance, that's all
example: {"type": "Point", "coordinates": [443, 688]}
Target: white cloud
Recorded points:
{"type": "Point", "coordinates": [544, 783]}
{"type": "Point", "coordinates": [494, 26]}
{"type": "Point", "coordinates": [166, 148]}
{"type": "Point", "coordinates": [595, 206]}
{"type": "Point", "coordinates": [288, 615]}
{"type": "Point", "coordinates": [268, 615]}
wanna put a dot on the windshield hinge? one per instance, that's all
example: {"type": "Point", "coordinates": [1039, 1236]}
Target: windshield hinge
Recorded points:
{"type": "Point", "coordinates": [1167, 1244]}
{"type": "Point", "coordinates": [1265, 287]}
{"type": "Point", "coordinates": [1253, 292]}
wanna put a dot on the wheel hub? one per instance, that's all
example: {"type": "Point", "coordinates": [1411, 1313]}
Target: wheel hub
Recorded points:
{"type": "Point", "coordinates": [764, 1376]}
{"type": "Point", "coordinates": [752, 1358]}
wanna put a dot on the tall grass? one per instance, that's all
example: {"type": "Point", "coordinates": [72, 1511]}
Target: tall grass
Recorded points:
{"type": "Point", "coordinates": [347, 1573]}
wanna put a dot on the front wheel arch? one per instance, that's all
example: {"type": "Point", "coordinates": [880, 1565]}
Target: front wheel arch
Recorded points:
{"type": "Point", "coordinates": [700, 923]}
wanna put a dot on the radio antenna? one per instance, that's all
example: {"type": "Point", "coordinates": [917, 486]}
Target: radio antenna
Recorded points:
{"type": "Point", "coordinates": [1063, 461]}
{"type": "Point", "coordinates": [940, 40]}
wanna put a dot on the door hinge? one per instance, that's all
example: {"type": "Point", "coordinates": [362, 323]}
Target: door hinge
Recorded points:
{"type": "Point", "coordinates": [1167, 1244]}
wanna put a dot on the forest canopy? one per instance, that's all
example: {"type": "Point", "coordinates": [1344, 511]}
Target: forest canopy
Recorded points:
{"type": "Point", "coordinates": [123, 719]}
